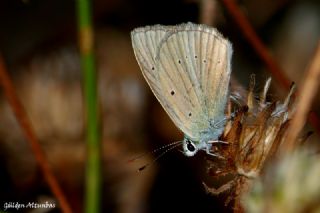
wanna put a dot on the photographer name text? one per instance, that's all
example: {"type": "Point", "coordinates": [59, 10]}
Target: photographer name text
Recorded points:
{"type": "Point", "coordinates": [29, 205]}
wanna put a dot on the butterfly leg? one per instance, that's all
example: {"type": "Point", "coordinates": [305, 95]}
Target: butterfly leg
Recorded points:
{"type": "Point", "coordinates": [217, 141]}
{"type": "Point", "coordinates": [219, 190]}
{"type": "Point", "coordinates": [208, 148]}
{"type": "Point", "coordinates": [212, 154]}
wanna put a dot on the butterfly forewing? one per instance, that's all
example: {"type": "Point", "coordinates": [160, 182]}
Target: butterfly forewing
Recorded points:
{"type": "Point", "coordinates": [145, 42]}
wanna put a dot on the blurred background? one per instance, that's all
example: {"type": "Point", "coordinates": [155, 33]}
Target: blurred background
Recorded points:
{"type": "Point", "coordinates": [38, 41]}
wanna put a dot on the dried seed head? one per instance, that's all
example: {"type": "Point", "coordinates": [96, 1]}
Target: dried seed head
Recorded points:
{"type": "Point", "coordinates": [254, 134]}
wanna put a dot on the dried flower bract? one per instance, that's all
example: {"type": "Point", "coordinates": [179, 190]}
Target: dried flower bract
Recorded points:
{"type": "Point", "coordinates": [254, 133]}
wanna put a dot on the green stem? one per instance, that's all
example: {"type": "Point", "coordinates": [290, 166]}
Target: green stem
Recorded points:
{"type": "Point", "coordinates": [93, 167]}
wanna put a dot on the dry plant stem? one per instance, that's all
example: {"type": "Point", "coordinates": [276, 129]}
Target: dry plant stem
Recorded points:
{"type": "Point", "coordinates": [25, 124]}
{"type": "Point", "coordinates": [308, 93]}
{"type": "Point", "coordinates": [249, 33]}
{"type": "Point", "coordinates": [207, 11]}
{"type": "Point", "coordinates": [256, 43]}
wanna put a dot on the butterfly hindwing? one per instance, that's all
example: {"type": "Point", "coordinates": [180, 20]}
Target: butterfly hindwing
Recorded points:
{"type": "Point", "coordinates": [215, 70]}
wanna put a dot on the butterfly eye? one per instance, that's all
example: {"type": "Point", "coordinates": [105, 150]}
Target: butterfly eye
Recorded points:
{"type": "Point", "coordinates": [190, 146]}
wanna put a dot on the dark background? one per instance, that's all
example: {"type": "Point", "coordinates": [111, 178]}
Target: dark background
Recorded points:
{"type": "Point", "coordinates": [38, 40]}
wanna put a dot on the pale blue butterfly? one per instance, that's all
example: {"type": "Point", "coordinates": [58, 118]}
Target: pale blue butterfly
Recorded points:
{"type": "Point", "coordinates": [188, 68]}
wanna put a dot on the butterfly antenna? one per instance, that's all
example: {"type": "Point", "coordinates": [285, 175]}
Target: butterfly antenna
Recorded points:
{"type": "Point", "coordinates": [161, 155]}
{"type": "Point", "coordinates": [154, 151]}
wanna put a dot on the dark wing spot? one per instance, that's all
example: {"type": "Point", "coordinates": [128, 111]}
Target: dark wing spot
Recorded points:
{"type": "Point", "coordinates": [172, 92]}
{"type": "Point", "coordinates": [190, 114]}
{"type": "Point", "coordinates": [195, 56]}
{"type": "Point", "coordinates": [218, 62]}
{"type": "Point", "coordinates": [179, 61]}
{"type": "Point", "coordinates": [204, 61]}
{"type": "Point", "coordinates": [152, 68]}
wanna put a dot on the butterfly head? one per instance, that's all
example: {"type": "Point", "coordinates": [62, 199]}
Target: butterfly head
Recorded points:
{"type": "Point", "coordinates": [190, 147]}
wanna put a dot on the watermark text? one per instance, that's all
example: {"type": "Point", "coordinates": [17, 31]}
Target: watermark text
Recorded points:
{"type": "Point", "coordinates": [28, 205]}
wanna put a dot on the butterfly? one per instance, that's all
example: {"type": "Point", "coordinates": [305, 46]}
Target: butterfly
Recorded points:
{"type": "Point", "coordinates": [188, 68]}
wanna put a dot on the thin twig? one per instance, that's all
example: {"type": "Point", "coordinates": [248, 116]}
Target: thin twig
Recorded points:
{"type": "Point", "coordinates": [309, 90]}
{"type": "Point", "coordinates": [261, 50]}
{"type": "Point", "coordinates": [25, 124]}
